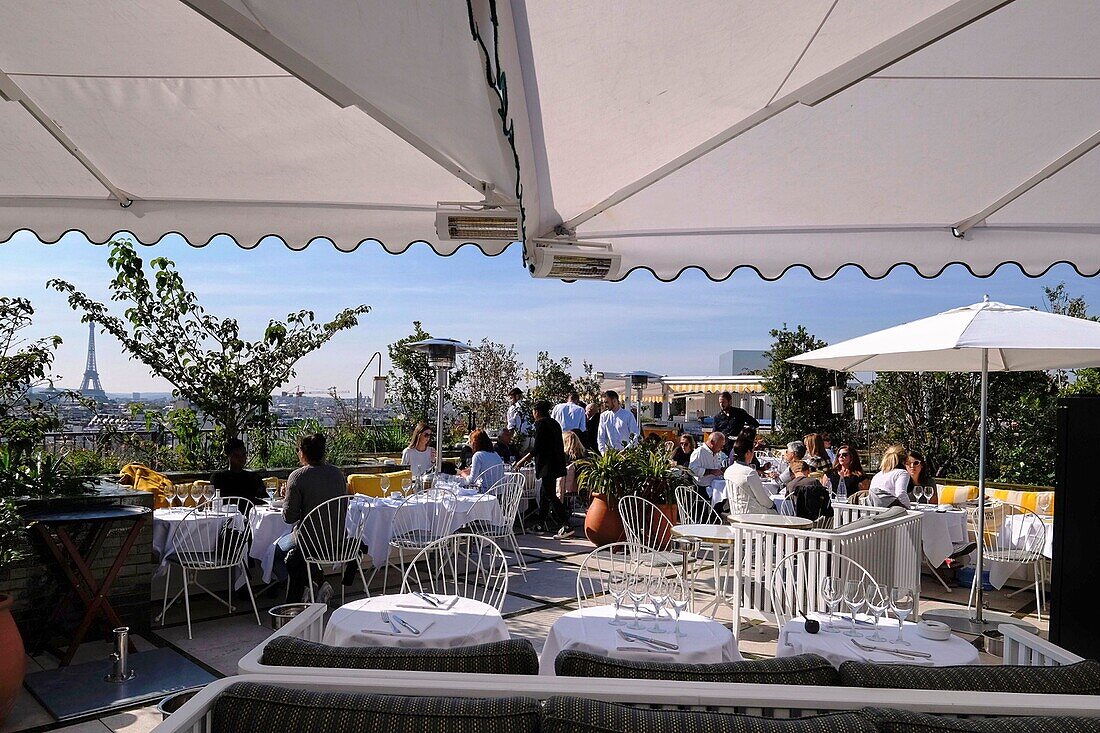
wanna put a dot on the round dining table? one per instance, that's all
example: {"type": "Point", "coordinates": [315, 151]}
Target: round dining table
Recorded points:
{"type": "Point", "coordinates": [415, 622]}
{"type": "Point", "coordinates": [838, 648]}
{"type": "Point", "coordinates": [704, 641]}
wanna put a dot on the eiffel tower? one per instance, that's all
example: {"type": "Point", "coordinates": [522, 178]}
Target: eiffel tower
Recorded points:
{"type": "Point", "coordinates": [91, 387]}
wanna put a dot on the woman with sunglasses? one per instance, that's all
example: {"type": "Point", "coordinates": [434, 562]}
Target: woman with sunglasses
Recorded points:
{"type": "Point", "coordinates": [684, 448]}
{"type": "Point", "coordinates": [846, 476]}
{"type": "Point", "coordinates": [919, 473]}
{"type": "Point", "coordinates": [420, 456]}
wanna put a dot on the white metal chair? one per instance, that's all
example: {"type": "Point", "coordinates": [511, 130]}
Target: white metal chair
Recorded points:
{"type": "Point", "coordinates": [1026, 548]}
{"type": "Point", "coordinates": [509, 492]}
{"type": "Point", "coordinates": [786, 507]}
{"type": "Point", "coordinates": [466, 565]}
{"type": "Point", "coordinates": [648, 530]}
{"type": "Point", "coordinates": [208, 541]}
{"type": "Point", "coordinates": [419, 521]}
{"type": "Point", "coordinates": [478, 481]}
{"type": "Point", "coordinates": [620, 558]}
{"type": "Point", "coordinates": [796, 581]}
{"type": "Point", "coordinates": [693, 508]}
{"type": "Point", "coordinates": [326, 537]}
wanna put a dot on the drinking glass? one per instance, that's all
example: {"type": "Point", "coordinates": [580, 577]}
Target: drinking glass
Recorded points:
{"type": "Point", "coordinates": [901, 603]}
{"type": "Point", "coordinates": [659, 594]}
{"type": "Point", "coordinates": [170, 494]}
{"type": "Point", "coordinates": [208, 496]}
{"type": "Point", "coordinates": [679, 601]}
{"type": "Point", "coordinates": [1042, 503]}
{"type": "Point", "coordinates": [196, 493]}
{"type": "Point", "coordinates": [831, 594]}
{"type": "Point", "coordinates": [855, 596]}
{"type": "Point", "coordinates": [878, 600]}
{"type": "Point", "coordinates": [406, 485]}
{"type": "Point", "coordinates": [616, 586]}
{"type": "Point", "coordinates": [928, 493]}
{"type": "Point", "coordinates": [638, 590]}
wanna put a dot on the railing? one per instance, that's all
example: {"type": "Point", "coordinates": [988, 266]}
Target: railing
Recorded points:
{"type": "Point", "coordinates": [889, 550]}
{"type": "Point", "coordinates": [1031, 650]}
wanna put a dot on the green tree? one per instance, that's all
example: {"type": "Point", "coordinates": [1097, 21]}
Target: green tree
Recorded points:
{"type": "Point", "coordinates": [490, 372]}
{"type": "Point", "coordinates": [412, 378]}
{"type": "Point", "coordinates": [1081, 381]}
{"type": "Point", "coordinates": [552, 380]}
{"type": "Point", "coordinates": [586, 385]}
{"type": "Point", "coordinates": [24, 365]}
{"type": "Point", "coordinates": [800, 394]}
{"type": "Point", "coordinates": [204, 357]}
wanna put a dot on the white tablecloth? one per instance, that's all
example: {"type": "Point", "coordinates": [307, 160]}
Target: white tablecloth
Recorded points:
{"type": "Point", "coordinates": [1018, 528]}
{"type": "Point", "coordinates": [205, 528]}
{"type": "Point", "coordinates": [590, 630]}
{"type": "Point", "coordinates": [267, 527]}
{"type": "Point", "coordinates": [466, 623]}
{"type": "Point", "coordinates": [838, 648]}
{"type": "Point", "coordinates": [940, 532]}
{"type": "Point", "coordinates": [378, 529]}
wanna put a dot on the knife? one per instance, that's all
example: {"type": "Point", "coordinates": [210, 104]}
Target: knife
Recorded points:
{"type": "Point", "coordinates": [415, 631]}
{"type": "Point", "coordinates": [427, 598]}
{"type": "Point", "coordinates": [647, 640]}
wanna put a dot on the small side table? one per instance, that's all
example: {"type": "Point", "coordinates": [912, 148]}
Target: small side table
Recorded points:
{"type": "Point", "coordinates": [75, 563]}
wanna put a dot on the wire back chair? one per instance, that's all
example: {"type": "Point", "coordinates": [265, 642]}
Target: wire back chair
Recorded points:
{"type": "Point", "coordinates": [622, 559]}
{"type": "Point", "coordinates": [509, 493]}
{"type": "Point", "coordinates": [1013, 534]}
{"type": "Point", "coordinates": [481, 481]}
{"type": "Point", "coordinates": [331, 534]}
{"type": "Point", "coordinates": [693, 508]}
{"type": "Point", "coordinates": [797, 579]}
{"type": "Point", "coordinates": [206, 541]}
{"type": "Point", "coordinates": [648, 530]}
{"type": "Point", "coordinates": [420, 520]}
{"type": "Point", "coordinates": [466, 565]}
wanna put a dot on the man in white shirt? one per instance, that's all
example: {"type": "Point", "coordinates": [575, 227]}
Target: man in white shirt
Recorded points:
{"type": "Point", "coordinates": [618, 427]}
{"type": "Point", "coordinates": [570, 414]}
{"type": "Point", "coordinates": [708, 461]}
{"type": "Point", "coordinates": [518, 422]}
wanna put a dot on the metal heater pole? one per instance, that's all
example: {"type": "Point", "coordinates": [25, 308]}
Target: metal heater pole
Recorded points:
{"type": "Point", "coordinates": [441, 386]}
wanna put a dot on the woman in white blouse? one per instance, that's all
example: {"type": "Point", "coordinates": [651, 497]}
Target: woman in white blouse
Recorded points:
{"type": "Point", "coordinates": [890, 486]}
{"type": "Point", "coordinates": [420, 456]}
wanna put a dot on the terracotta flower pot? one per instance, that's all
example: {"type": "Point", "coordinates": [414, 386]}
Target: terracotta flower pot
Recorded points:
{"type": "Point", "coordinates": [602, 524]}
{"type": "Point", "coordinates": [12, 660]}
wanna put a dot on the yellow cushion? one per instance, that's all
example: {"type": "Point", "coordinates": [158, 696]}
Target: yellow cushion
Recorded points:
{"type": "Point", "coordinates": [956, 494]}
{"type": "Point", "coordinates": [1033, 500]}
{"type": "Point", "coordinates": [370, 484]}
{"type": "Point", "coordinates": [144, 478]}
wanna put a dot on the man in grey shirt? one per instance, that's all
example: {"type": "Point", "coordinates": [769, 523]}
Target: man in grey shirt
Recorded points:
{"type": "Point", "coordinates": [308, 487]}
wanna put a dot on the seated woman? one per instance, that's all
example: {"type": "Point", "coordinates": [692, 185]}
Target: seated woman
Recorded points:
{"type": "Point", "coordinates": [486, 467]}
{"type": "Point", "coordinates": [890, 486]}
{"type": "Point", "coordinates": [743, 483]}
{"type": "Point", "coordinates": [816, 455]}
{"type": "Point", "coordinates": [420, 455]}
{"type": "Point", "coordinates": [846, 476]}
{"type": "Point", "coordinates": [684, 448]}
{"type": "Point", "coordinates": [574, 451]}
{"type": "Point", "coordinates": [920, 474]}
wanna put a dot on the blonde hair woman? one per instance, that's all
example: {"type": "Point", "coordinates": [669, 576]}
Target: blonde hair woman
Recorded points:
{"type": "Point", "coordinates": [890, 486]}
{"type": "Point", "coordinates": [574, 451]}
{"type": "Point", "coordinates": [817, 458]}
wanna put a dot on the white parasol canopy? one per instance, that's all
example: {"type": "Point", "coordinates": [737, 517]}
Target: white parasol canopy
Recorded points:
{"type": "Point", "coordinates": [715, 134]}
{"type": "Point", "coordinates": [983, 337]}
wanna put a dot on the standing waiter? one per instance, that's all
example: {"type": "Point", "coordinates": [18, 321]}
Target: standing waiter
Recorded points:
{"type": "Point", "coordinates": [731, 420]}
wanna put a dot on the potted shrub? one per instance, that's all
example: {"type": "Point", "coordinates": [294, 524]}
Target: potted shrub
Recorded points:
{"type": "Point", "coordinates": [13, 548]}
{"type": "Point", "coordinates": [636, 471]}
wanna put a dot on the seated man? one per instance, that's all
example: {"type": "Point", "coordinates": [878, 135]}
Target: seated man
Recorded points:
{"type": "Point", "coordinates": [238, 483]}
{"type": "Point", "coordinates": [796, 451]}
{"type": "Point", "coordinates": [708, 461]}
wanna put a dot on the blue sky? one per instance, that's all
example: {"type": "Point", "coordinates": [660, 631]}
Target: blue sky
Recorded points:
{"type": "Point", "coordinates": [640, 323]}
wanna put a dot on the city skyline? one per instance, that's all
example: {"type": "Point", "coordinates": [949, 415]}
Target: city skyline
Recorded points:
{"type": "Point", "coordinates": [641, 323]}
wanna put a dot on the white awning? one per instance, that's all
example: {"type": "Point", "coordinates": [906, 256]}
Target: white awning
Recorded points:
{"type": "Point", "coordinates": [715, 134]}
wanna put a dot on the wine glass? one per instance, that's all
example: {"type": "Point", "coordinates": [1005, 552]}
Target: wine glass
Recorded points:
{"type": "Point", "coordinates": [831, 594]}
{"type": "Point", "coordinates": [637, 591]}
{"type": "Point", "coordinates": [616, 586]}
{"type": "Point", "coordinates": [196, 494]}
{"type": "Point", "coordinates": [855, 596]}
{"type": "Point", "coordinates": [208, 496]}
{"type": "Point", "coordinates": [1042, 503]}
{"type": "Point", "coordinates": [901, 603]}
{"type": "Point", "coordinates": [928, 492]}
{"type": "Point", "coordinates": [878, 600]}
{"type": "Point", "coordinates": [170, 494]}
{"type": "Point", "coordinates": [406, 485]}
{"type": "Point", "coordinates": [679, 598]}
{"type": "Point", "coordinates": [659, 594]}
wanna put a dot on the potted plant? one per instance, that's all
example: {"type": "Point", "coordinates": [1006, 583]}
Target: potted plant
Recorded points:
{"type": "Point", "coordinates": [635, 471]}
{"type": "Point", "coordinates": [13, 548]}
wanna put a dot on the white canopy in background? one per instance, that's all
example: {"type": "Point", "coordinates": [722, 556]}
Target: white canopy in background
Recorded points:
{"type": "Point", "coordinates": [714, 133]}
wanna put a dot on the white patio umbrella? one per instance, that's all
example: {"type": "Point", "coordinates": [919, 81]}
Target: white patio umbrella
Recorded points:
{"type": "Point", "coordinates": [983, 337]}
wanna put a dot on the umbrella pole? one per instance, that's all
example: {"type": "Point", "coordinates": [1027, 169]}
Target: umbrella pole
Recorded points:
{"type": "Point", "coordinates": [981, 488]}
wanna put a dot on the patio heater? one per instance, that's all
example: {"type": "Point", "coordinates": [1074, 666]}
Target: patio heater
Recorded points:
{"type": "Point", "coordinates": [638, 382]}
{"type": "Point", "coordinates": [379, 382]}
{"type": "Point", "coordinates": [441, 355]}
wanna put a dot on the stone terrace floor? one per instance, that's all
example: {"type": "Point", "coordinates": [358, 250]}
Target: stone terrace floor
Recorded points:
{"type": "Point", "coordinates": [530, 609]}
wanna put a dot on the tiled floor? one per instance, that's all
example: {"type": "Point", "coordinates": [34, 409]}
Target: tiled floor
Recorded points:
{"type": "Point", "coordinates": [530, 609]}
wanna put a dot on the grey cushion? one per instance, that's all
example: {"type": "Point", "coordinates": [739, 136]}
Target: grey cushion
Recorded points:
{"type": "Point", "coordinates": [869, 521]}
{"type": "Point", "coordinates": [904, 721]}
{"type": "Point", "coordinates": [803, 669]}
{"type": "Point", "coordinates": [892, 513]}
{"type": "Point", "coordinates": [250, 706]}
{"type": "Point", "coordinates": [514, 656]}
{"type": "Point", "coordinates": [1082, 678]}
{"type": "Point", "coordinates": [580, 715]}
